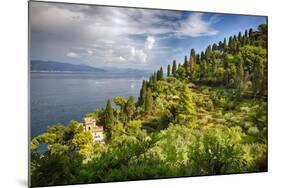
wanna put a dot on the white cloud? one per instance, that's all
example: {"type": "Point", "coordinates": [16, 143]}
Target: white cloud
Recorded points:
{"type": "Point", "coordinates": [99, 35]}
{"type": "Point", "coordinates": [195, 26]}
{"type": "Point", "coordinates": [122, 58]}
{"type": "Point", "coordinates": [133, 52]}
{"type": "Point", "coordinates": [141, 56]}
{"type": "Point", "coordinates": [138, 55]}
{"type": "Point", "coordinates": [72, 55]}
{"type": "Point", "coordinates": [90, 52]}
{"type": "Point", "coordinates": [149, 42]}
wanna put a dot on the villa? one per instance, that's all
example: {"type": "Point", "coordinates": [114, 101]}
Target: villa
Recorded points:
{"type": "Point", "coordinates": [97, 131]}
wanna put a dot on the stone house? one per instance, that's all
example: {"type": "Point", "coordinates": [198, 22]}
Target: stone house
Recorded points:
{"type": "Point", "coordinates": [97, 131]}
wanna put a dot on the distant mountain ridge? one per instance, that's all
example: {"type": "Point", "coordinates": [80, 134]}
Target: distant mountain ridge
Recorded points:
{"type": "Point", "coordinates": [39, 65]}
{"type": "Point", "coordinates": [55, 66]}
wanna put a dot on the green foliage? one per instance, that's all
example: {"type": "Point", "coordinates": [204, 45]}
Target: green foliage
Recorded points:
{"type": "Point", "coordinates": [174, 68]}
{"type": "Point", "coordinates": [57, 169]}
{"type": "Point", "coordinates": [218, 151]}
{"type": "Point", "coordinates": [108, 114]}
{"type": "Point", "coordinates": [168, 70]}
{"type": "Point", "coordinates": [186, 114]}
{"type": "Point", "coordinates": [208, 116]}
{"type": "Point", "coordinates": [148, 102]}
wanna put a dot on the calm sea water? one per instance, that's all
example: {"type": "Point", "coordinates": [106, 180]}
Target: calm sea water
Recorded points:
{"type": "Point", "coordinates": [61, 97]}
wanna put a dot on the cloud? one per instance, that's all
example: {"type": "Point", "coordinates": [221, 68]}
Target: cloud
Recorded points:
{"type": "Point", "coordinates": [149, 42]}
{"type": "Point", "coordinates": [122, 58]}
{"type": "Point", "coordinates": [138, 55]}
{"type": "Point", "coordinates": [90, 52]}
{"type": "Point", "coordinates": [106, 36]}
{"type": "Point", "coordinates": [133, 52]}
{"type": "Point", "coordinates": [196, 26]}
{"type": "Point", "coordinates": [72, 55]}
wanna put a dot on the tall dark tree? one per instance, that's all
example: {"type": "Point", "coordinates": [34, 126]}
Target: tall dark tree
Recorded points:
{"type": "Point", "coordinates": [174, 67]}
{"type": "Point", "coordinates": [202, 56]}
{"type": "Point", "coordinates": [240, 37]}
{"type": "Point", "coordinates": [108, 115]}
{"type": "Point", "coordinates": [148, 102]}
{"type": "Point", "coordinates": [160, 74]}
{"type": "Point", "coordinates": [208, 53]}
{"type": "Point", "coordinates": [246, 33]}
{"type": "Point", "coordinates": [220, 47]}
{"type": "Point", "coordinates": [169, 70]}
{"type": "Point", "coordinates": [142, 93]}
{"type": "Point", "coordinates": [192, 63]}
{"type": "Point", "coordinates": [214, 47]}
{"type": "Point", "coordinates": [129, 108]}
{"type": "Point", "coordinates": [239, 78]}
{"type": "Point", "coordinates": [224, 45]}
{"type": "Point", "coordinates": [258, 76]}
{"type": "Point", "coordinates": [186, 65]}
{"type": "Point", "coordinates": [186, 113]}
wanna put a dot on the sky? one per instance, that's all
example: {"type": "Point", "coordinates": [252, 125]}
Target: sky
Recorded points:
{"type": "Point", "coordinates": [118, 37]}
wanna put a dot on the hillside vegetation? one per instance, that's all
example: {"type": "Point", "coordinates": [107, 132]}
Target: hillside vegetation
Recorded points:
{"type": "Point", "coordinates": [207, 116]}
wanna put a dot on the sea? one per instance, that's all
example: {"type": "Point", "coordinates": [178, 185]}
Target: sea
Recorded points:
{"type": "Point", "coordinates": [58, 97]}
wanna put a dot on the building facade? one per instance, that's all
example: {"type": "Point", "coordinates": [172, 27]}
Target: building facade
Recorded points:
{"type": "Point", "coordinates": [95, 130]}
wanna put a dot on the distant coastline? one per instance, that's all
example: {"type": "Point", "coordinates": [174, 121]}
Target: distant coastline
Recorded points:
{"type": "Point", "coordinates": [40, 66]}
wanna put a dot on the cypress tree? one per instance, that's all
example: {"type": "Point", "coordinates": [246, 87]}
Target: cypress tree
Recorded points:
{"type": "Point", "coordinates": [193, 54]}
{"type": "Point", "coordinates": [239, 37]}
{"type": "Point", "coordinates": [129, 108]}
{"type": "Point", "coordinates": [148, 102]}
{"type": "Point", "coordinates": [224, 45]}
{"type": "Point", "coordinates": [108, 114]}
{"type": "Point", "coordinates": [174, 67]}
{"type": "Point", "coordinates": [246, 33]}
{"type": "Point", "coordinates": [161, 73]}
{"type": "Point", "coordinates": [186, 113]}
{"type": "Point", "coordinates": [179, 65]}
{"type": "Point", "coordinates": [154, 78]}
{"type": "Point", "coordinates": [158, 75]}
{"type": "Point", "coordinates": [142, 92]}
{"type": "Point", "coordinates": [258, 76]}
{"type": "Point", "coordinates": [185, 64]}
{"type": "Point", "coordinates": [202, 56]}
{"type": "Point", "coordinates": [214, 47]}
{"type": "Point", "coordinates": [168, 70]}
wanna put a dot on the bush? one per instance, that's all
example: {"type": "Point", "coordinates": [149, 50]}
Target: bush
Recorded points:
{"type": "Point", "coordinates": [253, 131]}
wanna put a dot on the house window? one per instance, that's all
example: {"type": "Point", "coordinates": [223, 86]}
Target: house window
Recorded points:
{"type": "Point", "coordinates": [89, 128]}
